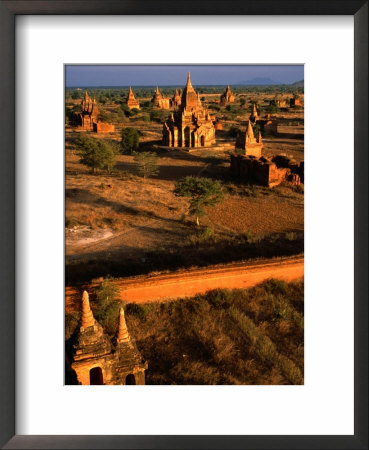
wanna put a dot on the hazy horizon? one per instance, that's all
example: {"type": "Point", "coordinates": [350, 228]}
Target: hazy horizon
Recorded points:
{"type": "Point", "coordinates": [176, 75]}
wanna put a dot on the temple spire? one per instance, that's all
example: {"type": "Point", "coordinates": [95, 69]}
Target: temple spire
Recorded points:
{"type": "Point", "coordinates": [123, 335]}
{"type": "Point", "coordinates": [250, 132]}
{"type": "Point", "coordinates": [259, 138]}
{"type": "Point", "coordinates": [87, 316]}
{"type": "Point", "coordinates": [188, 80]}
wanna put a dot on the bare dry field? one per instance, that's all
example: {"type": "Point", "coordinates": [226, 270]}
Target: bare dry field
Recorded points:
{"type": "Point", "coordinates": [148, 212]}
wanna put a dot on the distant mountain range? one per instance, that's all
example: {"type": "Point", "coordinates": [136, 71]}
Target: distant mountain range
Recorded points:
{"type": "Point", "coordinates": [298, 83]}
{"type": "Point", "coordinates": [261, 81]}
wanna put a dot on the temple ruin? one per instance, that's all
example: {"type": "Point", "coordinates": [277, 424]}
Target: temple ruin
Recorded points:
{"type": "Point", "coordinates": [254, 116]}
{"type": "Point", "coordinates": [176, 99]}
{"type": "Point", "coordinates": [227, 96]}
{"type": "Point", "coordinates": [278, 101]}
{"type": "Point", "coordinates": [159, 101]}
{"type": "Point", "coordinates": [190, 125]}
{"type": "Point", "coordinates": [247, 141]}
{"type": "Point", "coordinates": [218, 124]}
{"type": "Point", "coordinates": [131, 101]}
{"type": "Point", "coordinates": [89, 112]}
{"type": "Point", "coordinates": [88, 117]}
{"type": "Point", "coordinates": [264, 171]}
{"type": "Point", "coordinates": [96, 360]}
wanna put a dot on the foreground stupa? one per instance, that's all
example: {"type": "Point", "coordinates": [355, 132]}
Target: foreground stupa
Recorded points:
{"type": "Point", "coordinates": [96, 360]}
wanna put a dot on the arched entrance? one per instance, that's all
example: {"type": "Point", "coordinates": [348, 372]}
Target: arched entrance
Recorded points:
{"type": "Point", "coordinates": [202, 140]}
{"type": "Point", "coordinates": [130, 379]}
{"type": "Point", "coordinates": [96, 376]}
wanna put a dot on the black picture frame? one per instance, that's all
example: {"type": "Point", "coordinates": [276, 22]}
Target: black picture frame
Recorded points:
{"type": "Point", "coordinates": [8, 11]}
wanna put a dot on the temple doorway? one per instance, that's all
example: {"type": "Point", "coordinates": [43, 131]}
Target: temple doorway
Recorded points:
{"type": "Point", "coordinates": [96, 376]}
{"type": "Point", "coordinates": [192, 139]}
{"type": "Point", "coordinates": [130, 379]}
{"type": "Point", "coordinates": [202, 140]}
{"type": "Point", "coordinates": [187, 136]}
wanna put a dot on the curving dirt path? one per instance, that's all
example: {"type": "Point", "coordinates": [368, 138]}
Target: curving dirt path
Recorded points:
{"type": "Point", "coordinates": [151, 288]}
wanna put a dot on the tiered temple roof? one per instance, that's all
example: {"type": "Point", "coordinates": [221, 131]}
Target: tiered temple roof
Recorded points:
{"type": "Point", "coordinates": [191, 124]}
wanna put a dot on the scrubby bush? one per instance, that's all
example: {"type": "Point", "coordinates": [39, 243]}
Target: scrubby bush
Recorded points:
{"type": "Point", "coordinates": [158, 115]}
{"type": "Point", "coordinates": [106, 306]}
{"type": "Point", "coordinates": [133, 309]}
{"type": "Point", "coordinates": [96, 153]}
{"type": "Point", "coordinates": [130, 140]}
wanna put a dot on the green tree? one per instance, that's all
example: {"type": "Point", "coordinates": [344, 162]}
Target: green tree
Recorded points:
{"type": "Point", "coordinates": [201, 192]}
{"type": "Point", "coordinates": [76, 95]}
{"type": "Point", "coordinates": [130, 139]}
{"type": "Point", "coordinates": [104, 116]}
{"type": "Point", "coordinates": [242, 101]}
{"type": "Point", "coordinates": [158, 115]}
{"type": "Point", "coordinates": [106, 307]}
{"type": "Point", "coordinates": [95, 153]}
{"type": "Point", "coordinates": [147, 163]}
{"type": "Point", "coordinates": [272, 109]}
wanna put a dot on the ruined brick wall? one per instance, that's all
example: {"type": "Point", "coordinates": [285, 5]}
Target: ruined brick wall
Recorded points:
{"type": "Point", "coordinates": [295, 102]}
{"type": "Point", "coordinates": [277, 176]}
{"type": "Point", "coordinates": [102, 127]}
{"type": "Point", "coordinates": [218, 125]}
{"type": "Point", "coordinates": [261, 171]}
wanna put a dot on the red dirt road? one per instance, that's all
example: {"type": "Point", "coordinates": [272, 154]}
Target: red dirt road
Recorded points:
{"type": "Point", "coordinates": [143, 289]}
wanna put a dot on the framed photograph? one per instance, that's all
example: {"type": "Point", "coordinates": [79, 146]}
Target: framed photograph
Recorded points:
{"type": "Point", "coordinates": [185, 210]}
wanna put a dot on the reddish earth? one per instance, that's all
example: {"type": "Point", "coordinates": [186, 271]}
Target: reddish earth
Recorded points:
{"type": "Point", "coordinates": [143, 289]}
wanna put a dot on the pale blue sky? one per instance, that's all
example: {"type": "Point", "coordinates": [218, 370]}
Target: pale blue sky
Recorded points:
{"type": "Point", "coordinates": [146, 75]}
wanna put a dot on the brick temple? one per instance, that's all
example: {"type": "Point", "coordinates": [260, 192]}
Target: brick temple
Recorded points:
{"type": "Point", "coordinates": [190, 125]}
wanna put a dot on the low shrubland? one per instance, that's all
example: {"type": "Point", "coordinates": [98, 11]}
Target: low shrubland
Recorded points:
{"type": "Point", "coordinates": [240, 336]}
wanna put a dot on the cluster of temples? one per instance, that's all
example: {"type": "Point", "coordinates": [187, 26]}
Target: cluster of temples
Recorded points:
{"type": "Point", "coordinates": [252, 167]}
{"type": "Point", "coordinates": [98, 360]}
{"type": "Point", "coordinates": [190, 125]}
